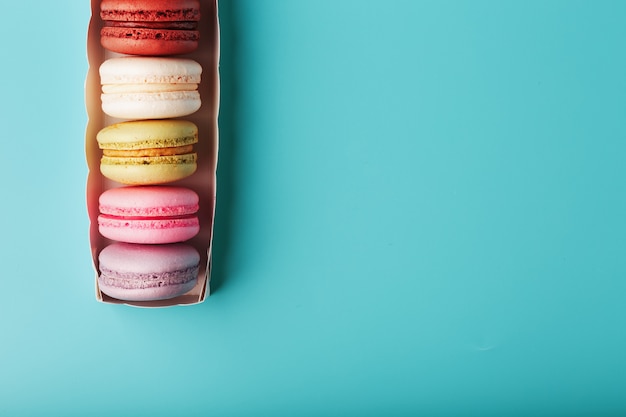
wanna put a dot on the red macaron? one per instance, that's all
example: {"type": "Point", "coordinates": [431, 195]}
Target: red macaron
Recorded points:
{"type": "Point", "coordinates": [150, 27]}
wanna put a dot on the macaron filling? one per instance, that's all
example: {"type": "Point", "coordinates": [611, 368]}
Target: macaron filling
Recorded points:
{"type": "Point", "coordinates": [136, 212]}
{"type": "Point", "coordinates": [146, 229]}
{"type": "Point", "coordinates": [185, 219]}
{"type": "Point", "coordinates": [153, 25]}
{"type": "Point", "coordinates": [147, 88]}
{"type": "Point", "coordinates": [177, 150]}
{"type": "Point", "coordinates": [149, 148]}
{"type": "Point", "coordinates": [185, 159]}
{"type": "Point", "coordinates": [146, 33]}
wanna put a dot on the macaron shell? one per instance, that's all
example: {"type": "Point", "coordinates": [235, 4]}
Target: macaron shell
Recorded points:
{"type": "Point", "coordinates": [147, 272]}
{"type": "Point", "coordinates": [142, 70]}
{"type": "Point", "coordinates": [148, 41]}
{"type": "Point", "coordinates": [147, 134]}
{"type": "Point", "coordinates": [148, 170]}
{"type": "Point", "coordinates": [144, 294]}
{"type": "Point", "coordinates": [142, 106]}
{"type": "Point", "coordinates": [149, 201]}
{"type": "Point", "coordinates": [148, 231]}
{"type": "Point", "coordinates": [150, 11]}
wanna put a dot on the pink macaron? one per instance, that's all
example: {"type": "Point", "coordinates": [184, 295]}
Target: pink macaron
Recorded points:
{"type": "Point", "coordinates": [132, 272]}
{"type": "Point", "coordinates": [149, 214]}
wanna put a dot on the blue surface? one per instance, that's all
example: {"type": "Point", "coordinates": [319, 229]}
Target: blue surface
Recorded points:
{"type": "Point", "coordinates": [420, 211]}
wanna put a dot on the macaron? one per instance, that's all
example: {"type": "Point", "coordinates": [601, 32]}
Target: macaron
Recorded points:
{"type": "Point", "coordinates": [148, 152]}
{"type": "Point", "coordinates": [150, 87]}
{"type": "Point", "coordinates": [150, 27]}
{"type": "Point", "coordinates": [133, 272]}
{"type": "Point", "coordinates": [149, 214]}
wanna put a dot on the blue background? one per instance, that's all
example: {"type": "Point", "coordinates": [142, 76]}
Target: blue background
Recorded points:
{"type": "Point", "coordinates": [421, 210]}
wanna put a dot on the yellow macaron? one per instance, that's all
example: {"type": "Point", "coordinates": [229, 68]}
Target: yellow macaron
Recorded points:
{"type": "Point", "coordinates": [148, 151]}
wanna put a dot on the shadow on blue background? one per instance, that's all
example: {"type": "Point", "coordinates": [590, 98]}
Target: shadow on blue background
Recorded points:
{"type": "Point", "coordinates": [228, 169]}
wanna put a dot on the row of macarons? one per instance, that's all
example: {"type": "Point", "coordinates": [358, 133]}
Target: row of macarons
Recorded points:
{"type": "Point", "coordinates": [148, 88]}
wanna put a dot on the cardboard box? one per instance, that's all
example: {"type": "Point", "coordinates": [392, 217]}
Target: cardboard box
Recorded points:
{"type": "Point", "coordinates": [203, 181]}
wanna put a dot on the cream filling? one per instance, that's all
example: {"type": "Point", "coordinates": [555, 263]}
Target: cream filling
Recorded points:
{"type": "Point", "coordinates": [147, 88]}
{"type": "Point", "coordinates": [178, 150]}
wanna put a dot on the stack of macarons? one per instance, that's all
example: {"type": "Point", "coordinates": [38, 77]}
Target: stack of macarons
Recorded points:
{"type": "Point", "coordinates": [147, 90]}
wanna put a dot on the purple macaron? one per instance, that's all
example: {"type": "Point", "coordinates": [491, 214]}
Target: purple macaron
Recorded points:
{"type": "Point", "coordinates": [133, 272]}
